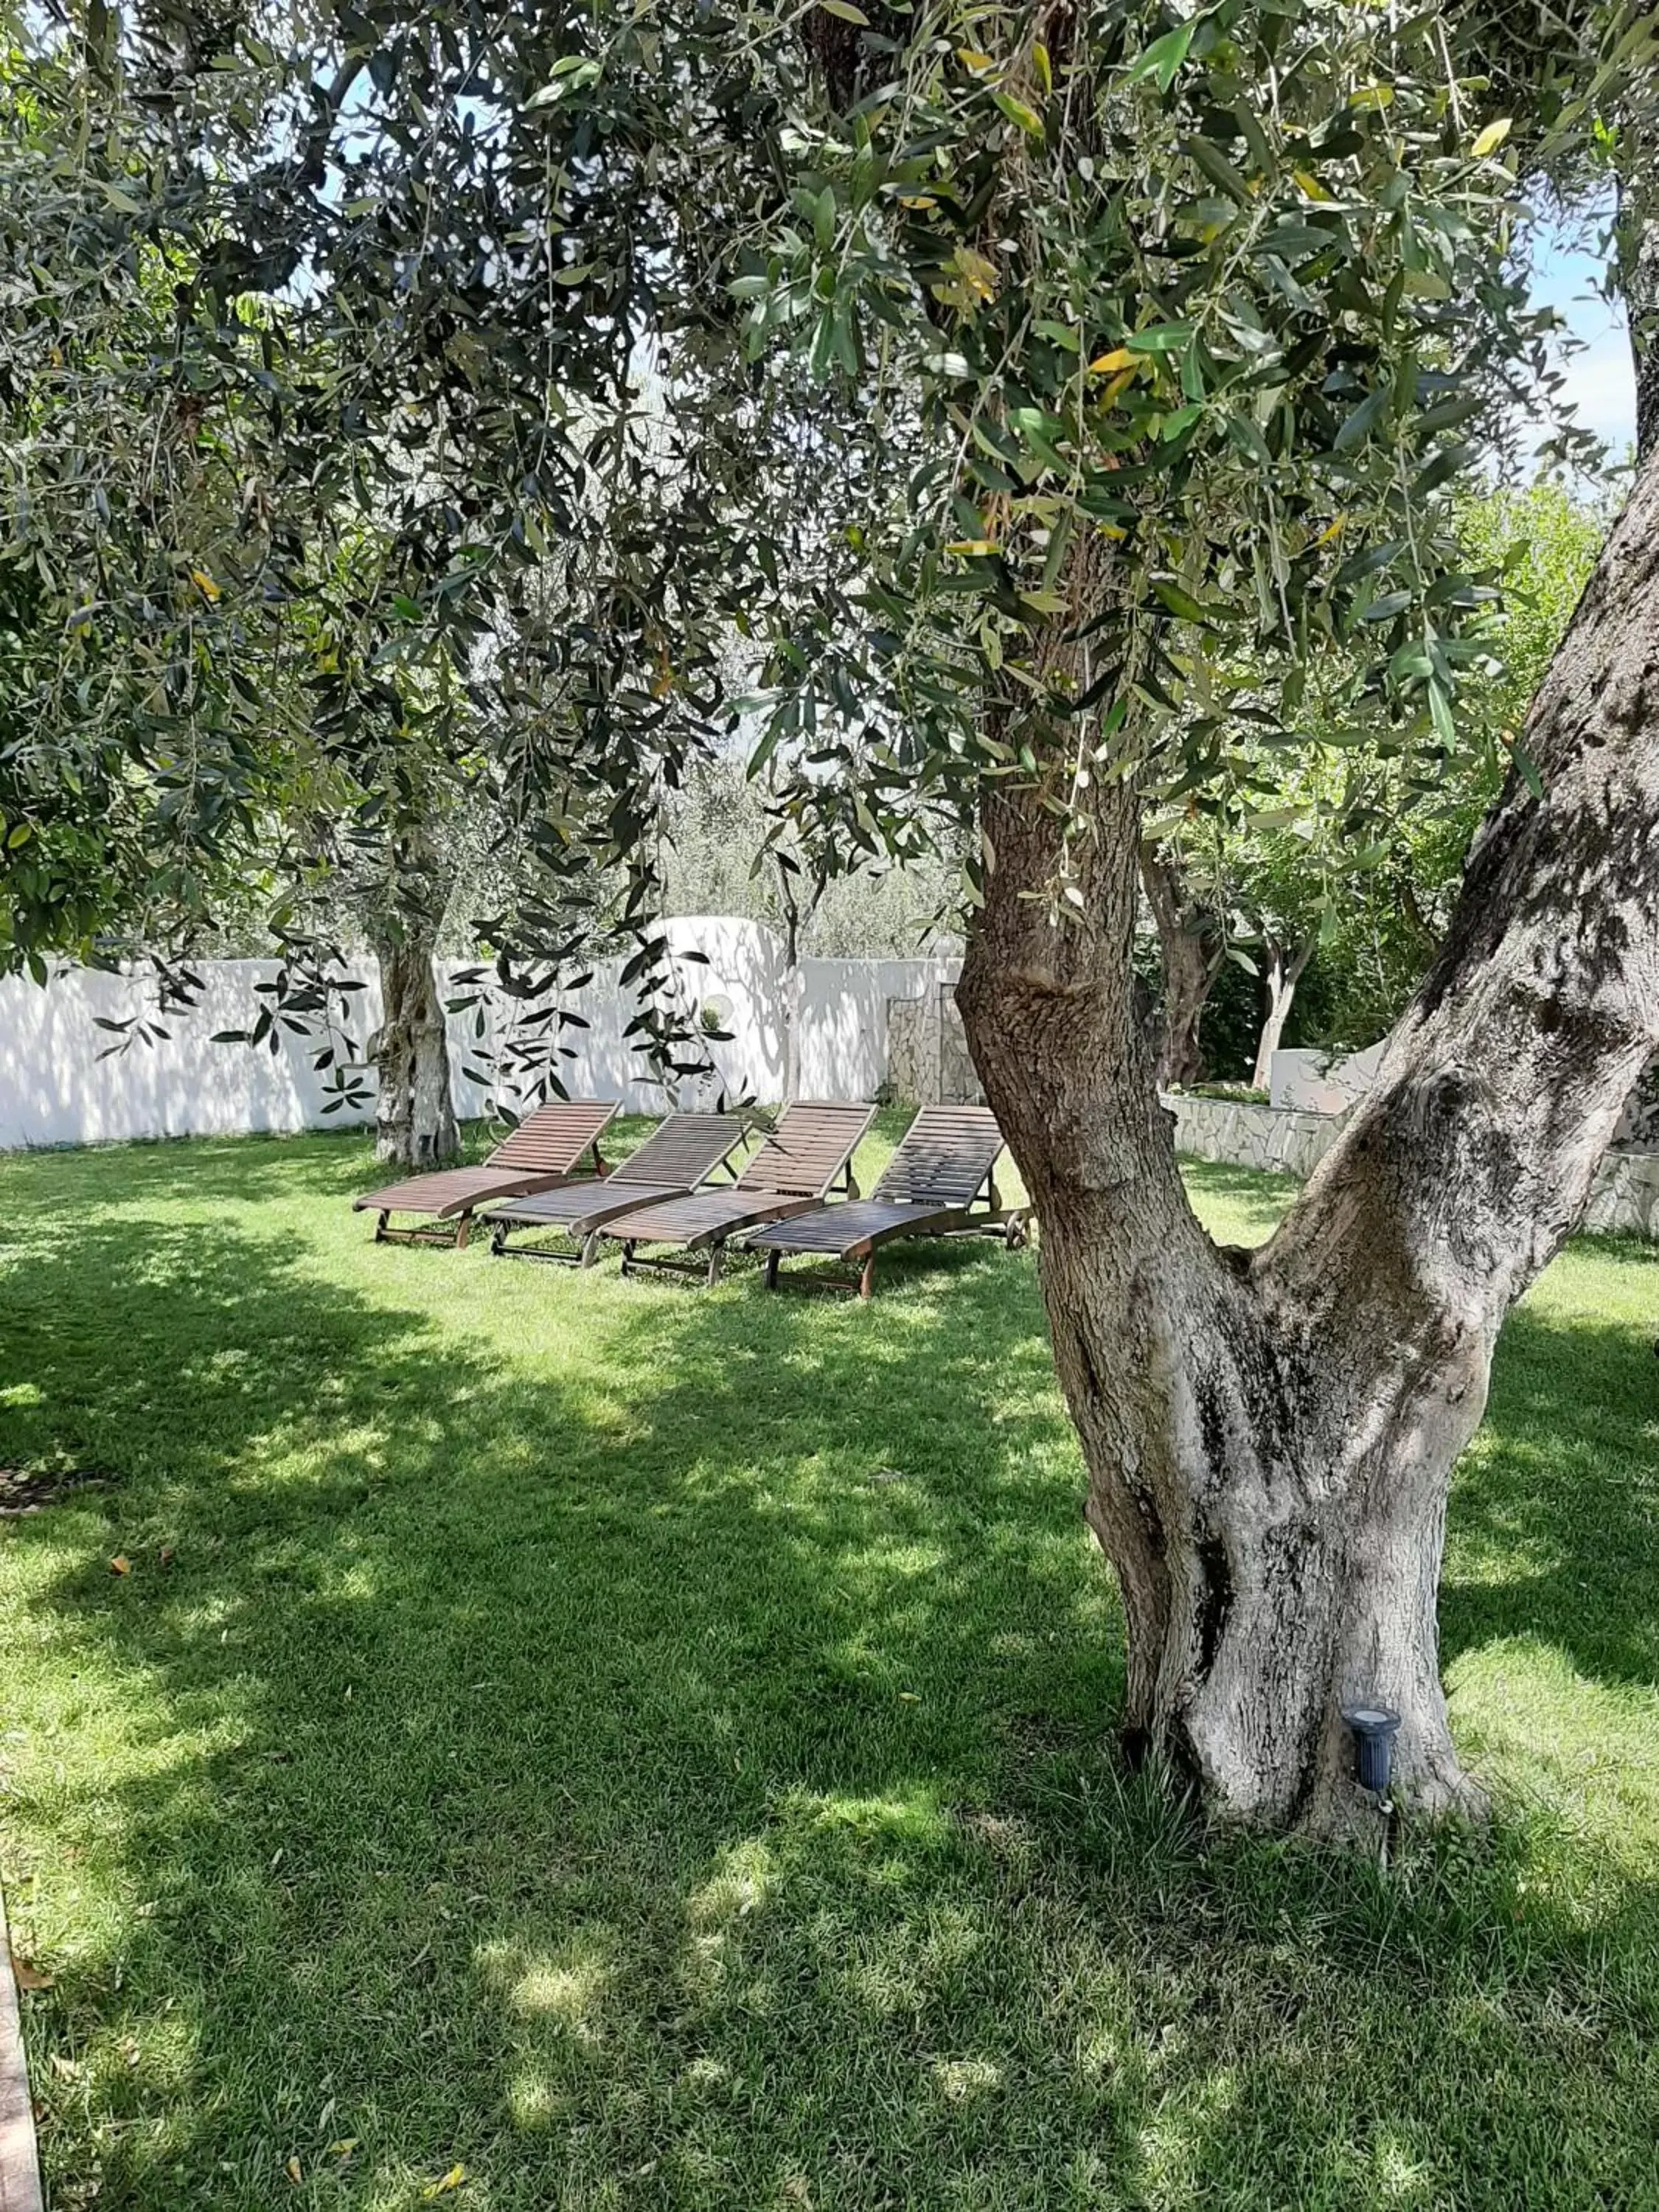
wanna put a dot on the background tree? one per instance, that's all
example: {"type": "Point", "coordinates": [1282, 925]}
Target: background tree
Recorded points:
{"type": "Point", "coordinates": [1378, 878]}
{"type": "Point", "coordinates": [1191, 943]}
{"type": "Point", "coordinates": [1338, 860]}
{"type": "Point", "coordinates": [1282, 893]}
{"type": "Point", "coordinates": [715, 831]}
{"type": "Point", "coordinates": [136, 765]}
{"type": "Point", "coordinates": [360, 469]}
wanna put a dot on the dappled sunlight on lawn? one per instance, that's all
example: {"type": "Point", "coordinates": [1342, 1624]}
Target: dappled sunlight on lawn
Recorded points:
{"type": "Point", "coordinates": [654, 1747]}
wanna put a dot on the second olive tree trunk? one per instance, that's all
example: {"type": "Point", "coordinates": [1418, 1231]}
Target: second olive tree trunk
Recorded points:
{"type": "Point", "coordinates": [414, 1116]}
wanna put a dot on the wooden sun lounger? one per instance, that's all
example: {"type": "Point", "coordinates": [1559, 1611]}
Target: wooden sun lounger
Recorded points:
{"type": "Point", "coordinates": [805, 1156]}
{"type": "Point", "coordinates": [933, 1187]}
{"type": "Point", "coordinates": [543, 1149]}
{"type": "Point", "coordinates": [682, 1151]}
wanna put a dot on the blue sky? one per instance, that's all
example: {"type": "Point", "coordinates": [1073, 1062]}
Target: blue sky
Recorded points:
{"type": "Point", "coordinates": [1600, 380]}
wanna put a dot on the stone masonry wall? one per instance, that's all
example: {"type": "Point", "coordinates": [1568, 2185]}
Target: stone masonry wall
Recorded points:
{"type": "Point", "coordinates": [1237, 1133]}
{"type": "Point", "coordinates": [929, 1063]}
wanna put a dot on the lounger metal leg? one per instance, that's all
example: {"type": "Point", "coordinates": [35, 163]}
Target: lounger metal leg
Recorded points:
{"type": "Point", "coordinates": [627, 1257]}
{"type": "Point", "coordinates": [498, 1239]}
{"type": "Point", "coordinates": [774, 1260]}
{"type": "Point", "coordinates": [379, 1228]}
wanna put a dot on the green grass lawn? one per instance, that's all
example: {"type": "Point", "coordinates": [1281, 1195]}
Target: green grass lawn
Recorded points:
{"type": "Point", "coordinates": [652, 1748]}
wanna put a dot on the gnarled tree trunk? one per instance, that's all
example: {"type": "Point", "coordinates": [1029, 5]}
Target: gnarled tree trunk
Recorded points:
{"type": "Point", "coordinates": [1270, 1436]}
{"type": "Point", "coordinates": [414, 1119]}
{"type": "Point", "coordinates": [1283, 976]}
{"type": "Point", "coordinates": [1190, 954]}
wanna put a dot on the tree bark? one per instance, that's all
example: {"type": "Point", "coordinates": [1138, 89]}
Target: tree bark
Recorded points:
{"type": "Point", "coordinates": [1283, 976]}
{"type": "Point", "coordinates": [1638, 270]}
{"type": "Point", "coordinates": [791, 1007]}
{"type": "Point", "coordinates": [414, 1117]}
{"type": "Point", "coordinates": [795, 919]}
{"type": "Point", "coordinates": [1269, 1437]}
{"type": "Point", "coordinates": [1190, 958]}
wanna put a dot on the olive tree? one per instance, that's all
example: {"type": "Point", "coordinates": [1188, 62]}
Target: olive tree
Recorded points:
{"type": "Point", "coordinates": [1198, 304]}
{"type": "Point", "coordinates": [307, 494]}
{"type": "Point", "coordinates": [1110, 341]}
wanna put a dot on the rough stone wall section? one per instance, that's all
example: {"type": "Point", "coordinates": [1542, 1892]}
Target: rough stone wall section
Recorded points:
{"type": "Point", "coordinates": [959, 1083]}
{"type": "Point", "coordinates": [20, 2170]}
{"type": "Point", "coordinates": [1316, 1083]}
{"type": "Point", "coordinates": [1639, 1130]}
{"type": "Point", "coordinates": [928, 1062]}
{"type": "Point", "coordinates": [912, 1068]}
{"type": "Point", "coordinates": [1234, 1132]}
{"type": "Point", "coordinates": [1625, 1200]}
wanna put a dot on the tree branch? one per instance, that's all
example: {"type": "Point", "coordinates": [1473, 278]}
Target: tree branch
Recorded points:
{"type": "Point", "coordinates": [1472, 1156]}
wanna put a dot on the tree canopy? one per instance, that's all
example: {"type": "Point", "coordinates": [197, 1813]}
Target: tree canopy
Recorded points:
{"type": "Point", "coordinates": [1027, 391]}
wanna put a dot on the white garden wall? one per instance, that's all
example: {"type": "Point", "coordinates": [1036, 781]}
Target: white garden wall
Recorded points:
{"type": "Point", "coordinates": [844, 1019]}
{"type": "Point", "coordinates": [1305, 1082]}
{"type": "Point", "coordinates": [55, 1089]}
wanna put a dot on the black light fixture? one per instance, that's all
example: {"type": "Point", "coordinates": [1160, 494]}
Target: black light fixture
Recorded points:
{"type": "Point", "coordinates": [1374, 1730]}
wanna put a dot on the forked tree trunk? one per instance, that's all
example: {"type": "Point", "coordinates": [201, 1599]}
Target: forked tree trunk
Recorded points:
{"type": "Point", "coordinates": [1190, 959]}
{"type": "Point", "coordinates": [415, 1118]}
{"type": "Point", "coordinates": [1270, 1436]}
{"type": "Point", "coordinates": [1283, 976]}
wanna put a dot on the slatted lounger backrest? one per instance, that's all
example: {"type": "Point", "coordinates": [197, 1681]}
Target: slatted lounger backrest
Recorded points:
{"type": "Point", "coordinates": [682, 1151]}
{"type": "Point", "coordinates": [807, 1150]}
{"type": "Point", "coordinates": [947, 1153]}
{"type": "Point", "coordinates": [554, 1138]}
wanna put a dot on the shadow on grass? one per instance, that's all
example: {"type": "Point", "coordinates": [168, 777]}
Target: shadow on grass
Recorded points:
{"type": "Point", "coordinates": [1555, 1532]}
{"type": "Point", "coordinates": [650, 1747]}
{"type": "Point", "coordinates": [193, 1168]}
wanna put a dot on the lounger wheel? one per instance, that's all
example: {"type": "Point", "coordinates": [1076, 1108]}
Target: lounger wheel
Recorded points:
{"type": "Point", "coordinates": [1018, 1235]}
